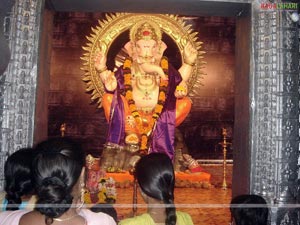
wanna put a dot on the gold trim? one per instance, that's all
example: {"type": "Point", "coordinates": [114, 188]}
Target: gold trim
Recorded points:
{"type": "Point", "coordinates": [109, 29]}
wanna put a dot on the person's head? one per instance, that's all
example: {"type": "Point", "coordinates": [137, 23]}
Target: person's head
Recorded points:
{"type": "Point", "coordinates": [155, 176]}
{"type": "Point", "coordinates": [249, 210]}
{"type": "Point", "coordinates": [58, 166]}
{"type": "Point", "coordinates": [18, 177]}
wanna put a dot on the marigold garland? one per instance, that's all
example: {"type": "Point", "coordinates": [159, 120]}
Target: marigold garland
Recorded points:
{"type": "Point", "coordinates": [145, 131]}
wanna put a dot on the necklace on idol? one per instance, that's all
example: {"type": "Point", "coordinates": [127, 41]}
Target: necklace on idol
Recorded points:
{"type": "Point", "coordinates": [146, 90]}
{"type": "Point", "coordinates": [145, 83]}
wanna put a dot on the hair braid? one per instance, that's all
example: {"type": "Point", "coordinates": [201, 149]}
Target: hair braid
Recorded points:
{"type": "Point", "coordinates": [170, 212]}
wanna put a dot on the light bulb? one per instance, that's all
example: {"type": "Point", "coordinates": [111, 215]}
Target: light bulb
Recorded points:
{"type": "Point", "coordinates": [295, 17]}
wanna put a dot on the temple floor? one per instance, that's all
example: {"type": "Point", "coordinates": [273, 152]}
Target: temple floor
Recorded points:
{"type": "Point", "coordinates": [205, 205]}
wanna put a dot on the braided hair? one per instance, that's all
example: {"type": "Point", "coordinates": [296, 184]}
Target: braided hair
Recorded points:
{"type": "Point", "coordinates": [58, 166]}
{"type": "Point", "coordinates": [18, 177]}
{"type": "Point", "coordinates": [156, 178]}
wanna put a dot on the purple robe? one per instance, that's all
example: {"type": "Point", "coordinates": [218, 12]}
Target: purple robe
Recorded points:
{"type": "Point", "coordinates": [163, 135]}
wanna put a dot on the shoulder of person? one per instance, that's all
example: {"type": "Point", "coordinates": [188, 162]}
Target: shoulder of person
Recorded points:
{"type": "Point", "coordinates": [144, 219]}
{"type": "Point", "coordinates": [12, 217]}
{"type": "Point", "coordinates": [184, 218]}
{"type": "Point", "coordinates": [31, 217]}
{"type": "Point", "coordinates": [94, 218]}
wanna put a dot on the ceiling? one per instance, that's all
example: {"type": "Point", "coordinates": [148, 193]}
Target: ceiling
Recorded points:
{"type": "Point", "coordinates": [181, 7]}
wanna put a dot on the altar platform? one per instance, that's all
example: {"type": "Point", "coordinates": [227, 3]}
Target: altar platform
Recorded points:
{"type": "Point", "coordinates": [182, 179]}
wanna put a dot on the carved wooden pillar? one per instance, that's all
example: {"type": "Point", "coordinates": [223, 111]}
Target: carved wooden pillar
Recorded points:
{"type": "Point", "coordinates": [20, 78]}
{"type": "Point", "coordinates": [5, 7]}
{"type": "Point", "coordinates": [275, 111]}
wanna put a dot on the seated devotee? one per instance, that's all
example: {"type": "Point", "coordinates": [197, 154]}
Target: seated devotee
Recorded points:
{"type": "Point", "coordinates": [58, 174]}
{"type": "Point", "coordinates": [249, 210]}
{"type": "Point", "coordinates": [18, 188]}
{"type": "Point", "coordinates": [156, 179]}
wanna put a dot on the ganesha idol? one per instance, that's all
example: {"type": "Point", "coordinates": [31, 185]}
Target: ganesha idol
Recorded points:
{"type": "Point", "coordinates": [146, 97]}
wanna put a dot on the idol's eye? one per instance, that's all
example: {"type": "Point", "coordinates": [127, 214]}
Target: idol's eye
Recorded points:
{"type": "Point", "coordinates": [154, 46]}
{"type": "Point", "coordinates": [138, 46]}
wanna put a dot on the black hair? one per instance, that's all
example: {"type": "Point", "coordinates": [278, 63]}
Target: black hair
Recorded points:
{"type": "Point", "coordinates": [155, 175]}
{"type": "Point", "coordinates": [57, 168]}
{"type": "Point", "coordinates": [18, 177]}
{"type": "Point", "coordinates": [245, 212]}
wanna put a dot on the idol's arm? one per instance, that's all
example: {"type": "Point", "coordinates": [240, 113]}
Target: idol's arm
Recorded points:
{"type": "Point", "coordinates": [109, 80]}
{"type": "Point", "coordinates": [189, 61]}
{"type": "Point", "coordinates": [185, 71]}
{"type": "Point", "coordinates": [107, 77]}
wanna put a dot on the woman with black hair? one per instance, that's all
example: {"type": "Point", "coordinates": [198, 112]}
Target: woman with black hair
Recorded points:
{"type": "Point", "coordinates": [18, 188]}
{"type": "Point", "coordinates": [58, 175]}
{"type": "Point", "coordinates": [156, 179]}
{"type": "Point", "coordinates": [249, 209]}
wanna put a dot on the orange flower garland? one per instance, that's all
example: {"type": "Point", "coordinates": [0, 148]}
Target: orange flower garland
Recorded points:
{"type": "Point", "coordinates": [145, 131]}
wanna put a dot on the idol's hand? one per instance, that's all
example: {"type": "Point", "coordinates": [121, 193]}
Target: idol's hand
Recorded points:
{"type": "Point", "coordinates": [181, 90]}
{"type": "Point", "coordinates": [189, 54]}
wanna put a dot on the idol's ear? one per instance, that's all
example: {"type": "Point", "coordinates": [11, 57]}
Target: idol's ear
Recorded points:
{"type": "Point", "coordinates": [161, 48]}
{"type": "Point", "coordinates": [129, 48]}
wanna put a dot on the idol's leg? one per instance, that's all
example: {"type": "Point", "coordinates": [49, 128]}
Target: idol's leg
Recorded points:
{"type": "Point", "coordinates": [106, 104]}
{"type": "Point", "coordinates": [183, 108]}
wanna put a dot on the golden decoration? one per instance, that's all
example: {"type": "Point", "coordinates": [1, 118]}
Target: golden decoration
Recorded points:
{"type": "Point", "coordinates": [63, 128]}
{"type": "Point", "coordinates": [92, 163]}
{"type": "Point", "coordinates": [108, 30]}
{"type": "Point", "coordinates": [224, 144]}
{"type": "Point", "coordinates": [190, 161]}
{"type": "Point", "coordinates": [137, 32]}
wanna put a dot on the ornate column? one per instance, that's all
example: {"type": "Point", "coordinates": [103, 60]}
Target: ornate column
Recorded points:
{"type": "Point", "coordinates": [18, 89]}
{"type": "Point", "coordinates": [275, 111]}
{"type": "Point", "coordinates": [5, 7]}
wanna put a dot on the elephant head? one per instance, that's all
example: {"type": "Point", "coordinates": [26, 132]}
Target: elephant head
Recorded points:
{"type": "Point", "coordinates": [145, 45]}
{"type": "Point", "coordinates": [145, 50]}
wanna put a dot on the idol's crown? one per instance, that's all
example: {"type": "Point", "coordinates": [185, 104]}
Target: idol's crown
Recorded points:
{"type": "Point", "coordinates": [145, 31]}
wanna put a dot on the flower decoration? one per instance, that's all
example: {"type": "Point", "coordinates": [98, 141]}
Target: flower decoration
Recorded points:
{"type": "Point", "coordinates": [145, 131]}
{"type": "Point", "coordinates": [105, 193]}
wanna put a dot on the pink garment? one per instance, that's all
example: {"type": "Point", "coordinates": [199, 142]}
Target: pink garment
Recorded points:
{"type": "Point", "coordinates": [99, 218]}
{"type": "Point", "coordinates": [13, 217]}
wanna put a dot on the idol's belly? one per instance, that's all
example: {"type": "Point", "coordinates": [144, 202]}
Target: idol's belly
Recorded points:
{"type": "Point", "coordinates": [145, 100]}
